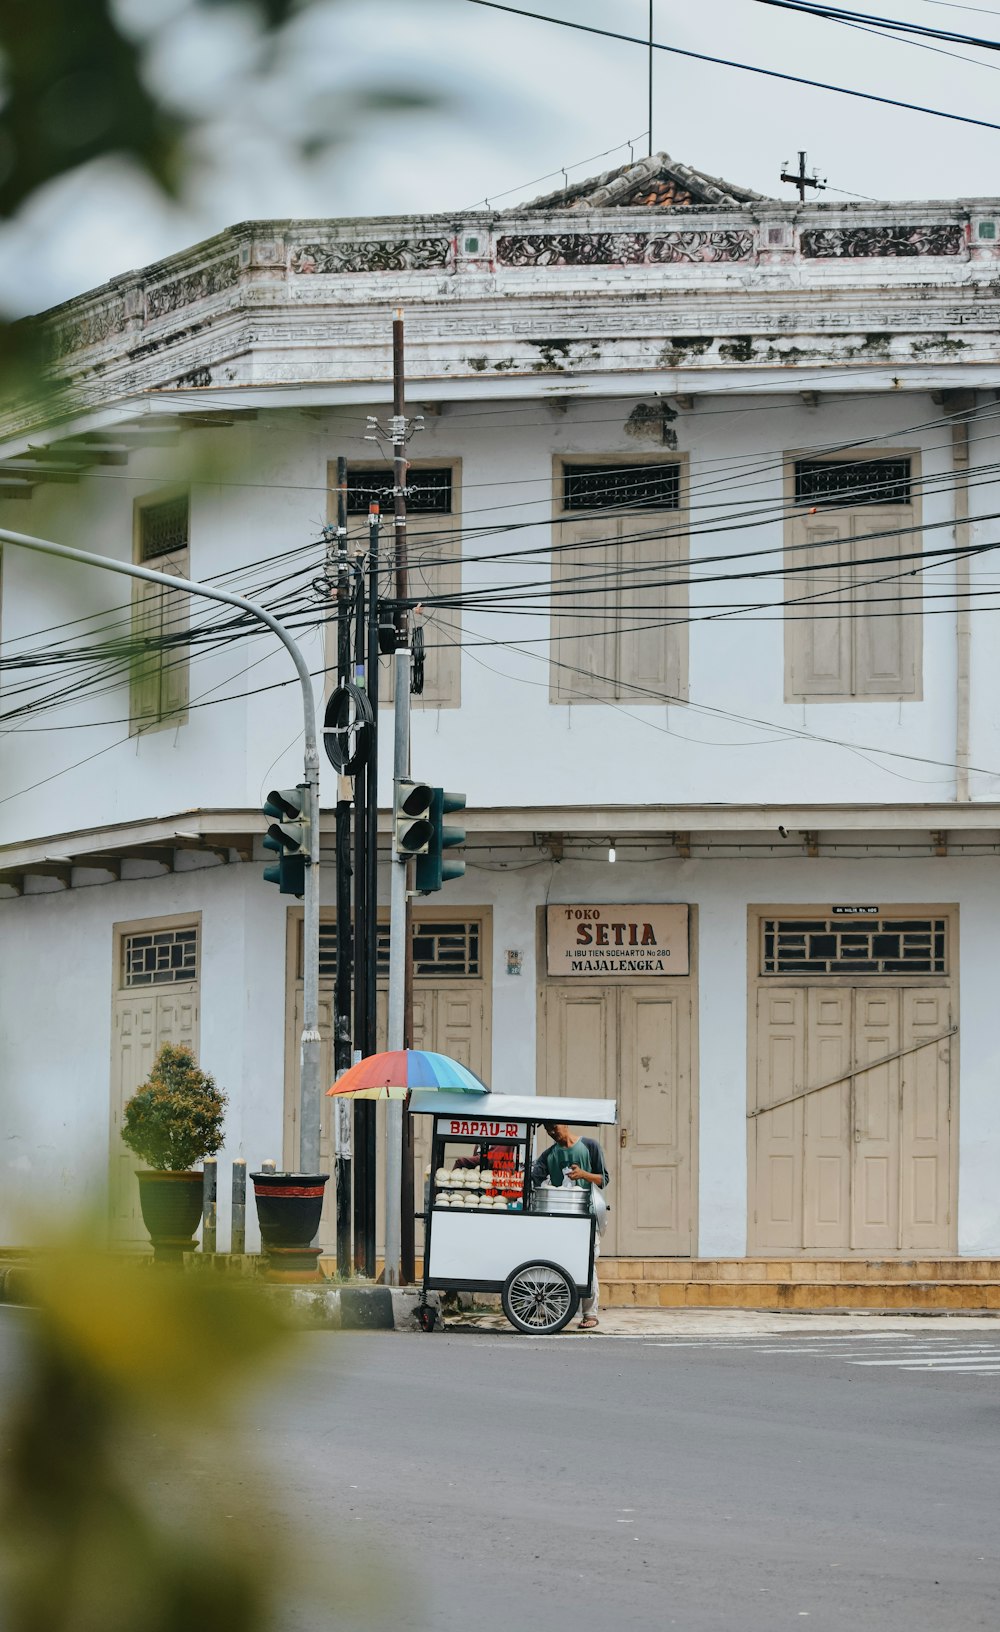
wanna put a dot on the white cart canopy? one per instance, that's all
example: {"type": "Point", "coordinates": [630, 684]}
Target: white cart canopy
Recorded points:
{"type": "Point", "coordinates": [577, 1113]}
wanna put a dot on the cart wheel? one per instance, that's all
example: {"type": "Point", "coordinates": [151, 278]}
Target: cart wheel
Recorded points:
{"type": "Point", "coordinates": [427, 1316]}
{"type": "Point", "coordinates": [539, 1299]}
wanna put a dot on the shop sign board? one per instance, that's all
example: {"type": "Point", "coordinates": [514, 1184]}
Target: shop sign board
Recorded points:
{"type": "Point", "coordinates": [618, 940]}
{"type": "Point", "coordinates": [471, 1127]}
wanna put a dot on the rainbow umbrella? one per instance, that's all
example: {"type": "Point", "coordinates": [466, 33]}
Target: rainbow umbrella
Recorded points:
{"type": "Point", "coordinates": [393, 1074]}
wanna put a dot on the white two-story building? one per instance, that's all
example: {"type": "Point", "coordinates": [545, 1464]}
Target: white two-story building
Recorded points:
{"type": "Point", "coordinates": [705, 514]}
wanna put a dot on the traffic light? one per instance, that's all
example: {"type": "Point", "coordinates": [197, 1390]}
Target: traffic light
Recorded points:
{"type": "Point", "coordinates": [432, 869]}
{"type": "Point", "coordinates": [288, 836]}
{"type": "Point", "coordinates": [411, 817]}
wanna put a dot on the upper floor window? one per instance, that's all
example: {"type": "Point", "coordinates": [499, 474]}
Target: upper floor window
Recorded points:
{"type": "Point", "coordinates": [618, 606]}
{"type": "Point", "coordinates": [160, 651]}
{"type": "Point", "coordinates": [853, 610]}
{"type": "Point", "coordinates": [434, 553]}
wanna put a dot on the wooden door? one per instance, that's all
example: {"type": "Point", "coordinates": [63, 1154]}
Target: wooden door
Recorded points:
{"type": "Point", "coordinates": [776, 1136]}
{"type": "Point", "coordinates": [863, 1164]}
{"type": "Point", "coordinates": [826, 1164]}
{"type": "Point", "coordinates": [875, 1122]}
{"type": "Point", "coordinates": [449, 1018]}
{"type": "Point", "coordinates": [925, 1135]}
{"type": "Point", "coordinates": [654, 1166]}
{"type": "Point", "coordinates": [142, 1021]}
{"type": "Point", "coordinates": [578, 1055]}
{"type": "Point", "coordinates": [631, 1044]}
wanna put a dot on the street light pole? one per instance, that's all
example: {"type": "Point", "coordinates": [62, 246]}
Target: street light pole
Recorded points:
{"type": "Point", "coordinates": [310, 1103]}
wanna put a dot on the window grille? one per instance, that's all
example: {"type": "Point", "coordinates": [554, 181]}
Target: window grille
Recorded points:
{"type": "Point", "coordinates": [652, 486]}
{"type": "Point", "coordinates": [328, 952]}
{"type": "Point", "coordinates": [852, 481]}
{"type": "Point", "coordinates": [163, 528]}
{"type": "Point", "coordinates": [446, 949]}
{"type": "Point", "coordinates": [428, 492]}
{"type": "Point", "coordinates": [853, 946]}
{"type": "Point", "coordinates": [160, 957]}
{"type": "Point", "coordinates": [440, 950]}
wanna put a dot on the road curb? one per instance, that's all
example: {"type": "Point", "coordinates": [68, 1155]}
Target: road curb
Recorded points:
{"type": "Point", "coordinates": [351, 1308]}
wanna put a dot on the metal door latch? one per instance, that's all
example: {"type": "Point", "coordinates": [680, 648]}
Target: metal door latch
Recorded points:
{"type": "Point", "coordinates": [623, 1138]}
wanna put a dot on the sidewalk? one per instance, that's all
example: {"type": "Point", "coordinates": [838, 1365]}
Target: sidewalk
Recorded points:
{"type": "Point", "coordinates": [707, 1323]}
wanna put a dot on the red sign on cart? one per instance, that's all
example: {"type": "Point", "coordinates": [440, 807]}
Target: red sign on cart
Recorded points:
{"type": "Point", "coordinates": [461, 1127]}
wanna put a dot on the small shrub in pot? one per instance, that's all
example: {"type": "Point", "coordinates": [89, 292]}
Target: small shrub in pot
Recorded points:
{"type": "Point", "coordinates": [173, 1121]}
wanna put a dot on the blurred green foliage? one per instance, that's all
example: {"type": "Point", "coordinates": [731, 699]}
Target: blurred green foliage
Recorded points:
{"type": "Point", "coordinates": [73, 90]}
{"type": "Point", "coordinates": [104, 1524]}
{"type": "Point", "coordinates": [175, 1119]}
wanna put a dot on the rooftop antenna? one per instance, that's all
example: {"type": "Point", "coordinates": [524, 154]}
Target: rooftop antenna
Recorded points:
{"type": "Point", "coordinates": [799, 178]}
{"type": "Point", "coordinates": [649, 131]}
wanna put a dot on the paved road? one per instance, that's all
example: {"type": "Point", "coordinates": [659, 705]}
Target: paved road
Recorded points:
{"type": "Point", "coordinates": [713, 1485]}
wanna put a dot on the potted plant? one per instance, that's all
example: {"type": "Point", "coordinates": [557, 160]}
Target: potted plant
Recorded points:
{"type": "Point", "coordinates": [173, 1121]}
{"type": "Point", "coordinates": [289, 1206]}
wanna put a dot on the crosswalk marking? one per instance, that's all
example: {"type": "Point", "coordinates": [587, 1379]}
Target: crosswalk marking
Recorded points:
{"type": "Point", "coordinates": [957, 1355]}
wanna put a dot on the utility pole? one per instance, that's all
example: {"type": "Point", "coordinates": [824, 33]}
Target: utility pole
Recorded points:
{"type": "Point", "coordinates": [310, 1102]}
{"type": "Point", "coordinates": [799, 179]}
{"type": "Point", "coordinates": [365, 1125]}
{"type": "Point", "coordinates": [342, 985]}
{"type": "Point", "coordinates": [649, 132]}
{"type": "Point", "coordinates": [399, 922]}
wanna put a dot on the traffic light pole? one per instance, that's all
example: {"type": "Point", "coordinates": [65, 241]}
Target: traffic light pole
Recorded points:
{"type": "Point", "coordinates": [310, 1104]}
{"type": "Point", "coordinates": [398, 949]}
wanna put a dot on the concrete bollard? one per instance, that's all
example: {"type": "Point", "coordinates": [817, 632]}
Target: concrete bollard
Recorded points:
{"type": "Point", "coordinates": [209, 1215]}
{"type": "Point", "coordinates": [238, 1243]}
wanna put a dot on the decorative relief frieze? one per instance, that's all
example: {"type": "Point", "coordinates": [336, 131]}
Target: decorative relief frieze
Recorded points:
{"type": "Point", "coordinates": [209, 280]}
{"type": "Point", "coordinates": [372, 255]}
{"type": "Point", "coordinates": [623, 248]}
{"type": "Point", "coordinates": [88, 329]}
{"type": "Point", "coordinates": [872, 242]}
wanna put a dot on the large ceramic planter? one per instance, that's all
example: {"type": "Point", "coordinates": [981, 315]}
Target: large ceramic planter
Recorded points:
{"type": "Point", "coordinates": [288, 1211]}
{"type": "Point", "coordinates": [171, 1211]}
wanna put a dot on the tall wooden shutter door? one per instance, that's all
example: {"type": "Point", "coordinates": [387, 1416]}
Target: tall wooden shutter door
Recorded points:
{"type": "Point", "coordinates": [887, 608]}
{"type": "Point", "coordinates": [777, 1147]}
{"type": "Point", "coordinates": [583, 624]}
{"type": "Point", "coordinates": [652, 645]}
{"type": "Point", "coordinates": [175, 660]}
{"type": "Point", "coordinates": [144, 677]}
{"type": "Point", "coordinates": [443, 627]}
{"type": "Point", "coordinates": [817, 635]}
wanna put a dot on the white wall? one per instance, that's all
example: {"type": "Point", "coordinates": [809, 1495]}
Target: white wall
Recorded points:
{"type": "Point", "coordinates": [56, 981]}
{"type": "Point", "coordinates": [258, 491]}
{"type": "Point", "coordinates": [55, 1039]}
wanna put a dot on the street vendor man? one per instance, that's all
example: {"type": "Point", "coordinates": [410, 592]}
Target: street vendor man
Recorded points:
{"type": "Point", "coordinates": [581, 1161]}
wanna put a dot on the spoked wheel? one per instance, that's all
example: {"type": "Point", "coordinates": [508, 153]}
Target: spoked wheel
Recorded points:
{"type": "Point", "coordinates": [539, 1299]}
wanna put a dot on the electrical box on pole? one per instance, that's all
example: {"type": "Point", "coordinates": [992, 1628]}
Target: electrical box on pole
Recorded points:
{"type": "Point", "coordinates": [288, 838]}
{"type": "Point", "coordinates": [433, 870]}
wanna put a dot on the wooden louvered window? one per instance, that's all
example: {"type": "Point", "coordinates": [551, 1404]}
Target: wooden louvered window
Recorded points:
{"type": "Point", "coordinates": [618, 601]}
{"type": "Point", "coordinates": [159, 658]}
{"type": "Point", "coordinates": [853, 617]}
{"type": "Point", "coordinates": [434, 548]}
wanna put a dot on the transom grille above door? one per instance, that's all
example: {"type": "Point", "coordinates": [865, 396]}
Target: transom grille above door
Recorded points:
{"type": "Point", "coordinates": [854, 946]}
{"type": "Point", "coordinates": [440, 949]}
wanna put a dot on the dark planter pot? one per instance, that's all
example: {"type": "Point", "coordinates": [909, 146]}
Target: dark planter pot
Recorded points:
{"type": "Point", "coordinates": [288, 1211]}
{"type": "Point", "coordinates": [171, 1211]}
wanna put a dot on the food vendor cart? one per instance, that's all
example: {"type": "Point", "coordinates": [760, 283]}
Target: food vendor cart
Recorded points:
{"type": "Point", "coordinates": [486, 1227]}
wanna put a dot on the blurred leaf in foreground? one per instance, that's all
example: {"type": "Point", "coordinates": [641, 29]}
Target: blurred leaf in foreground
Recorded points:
{"type": "Point", "coordinates": [105, 1524]}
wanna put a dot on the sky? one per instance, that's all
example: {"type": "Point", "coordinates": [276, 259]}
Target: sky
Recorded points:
{"type": "Point", "coordinates": [515, 103]}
